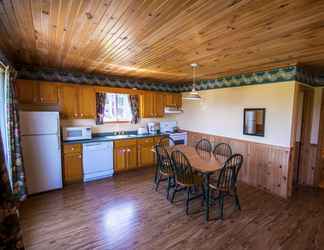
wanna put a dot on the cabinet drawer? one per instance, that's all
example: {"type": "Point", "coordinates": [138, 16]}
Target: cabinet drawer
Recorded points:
{"type": "Point", "coordinates": [145, 141]}
{"type": "Point", "coordinates": [72, 148]}
{"type": "Point", "coordinates": [125, 143]}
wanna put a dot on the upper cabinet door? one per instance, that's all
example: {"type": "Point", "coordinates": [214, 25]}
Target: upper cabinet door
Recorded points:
{"type": "Point", "coordinates": [169, 100]}
{"type": "Point", "coordinates": [159, 105]}
{"type": "Point", "coordinates": [48, 93]}
{"type": "Point", "coordinates": [147, 105]}
{"type": "Point", "coordinates": [69, 101]}
{"type": "Point", "coordinates": [177, 100]}
{"type": "Point", "coordinates": [87, 102]}
{"type": "Point", "coordinates": [26, 91]}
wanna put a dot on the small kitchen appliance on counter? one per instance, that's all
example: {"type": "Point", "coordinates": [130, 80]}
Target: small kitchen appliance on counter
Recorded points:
{"type": "Point", "coordinates": [76, 133]}
{"type": "Point", "coordinates": [142, 131]}
{"type": "Point", "coordinates": [153, 127]}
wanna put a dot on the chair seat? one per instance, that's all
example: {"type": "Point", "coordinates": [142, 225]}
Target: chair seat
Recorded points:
{"type": "Point", "coordinates": [188, 182]}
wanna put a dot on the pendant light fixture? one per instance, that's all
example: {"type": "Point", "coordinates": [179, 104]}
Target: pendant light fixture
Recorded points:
{"type": "Point", "coordinates": [193, 95]}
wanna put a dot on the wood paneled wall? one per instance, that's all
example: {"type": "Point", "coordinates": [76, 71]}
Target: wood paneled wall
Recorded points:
{"type": "Point", "coordinates": [265, 166]}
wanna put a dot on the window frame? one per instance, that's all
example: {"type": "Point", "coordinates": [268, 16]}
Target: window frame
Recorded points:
{"type": "Point", "coordinates": [117, 121]}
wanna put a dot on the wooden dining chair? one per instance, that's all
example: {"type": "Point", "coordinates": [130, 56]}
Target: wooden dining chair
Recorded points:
{"type": "Point", "coordinates": [226, 182]}
{"type": "Point", "coordinates": [166, 141]}
{"type": "Point", "coordinates": [222, 151]}
{"type": "Point", "coordinates": [204, 145]}
{"type": "Point", "coordinates": [185, 178]}
{"type": "Point", "coordinates": [164, 167]}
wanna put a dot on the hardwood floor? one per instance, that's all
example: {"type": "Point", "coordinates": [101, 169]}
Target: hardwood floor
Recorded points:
{"type": "Point", "coordinates": [125, 213]}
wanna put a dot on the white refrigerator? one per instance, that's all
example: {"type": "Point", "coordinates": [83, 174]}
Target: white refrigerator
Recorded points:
{"type": "Point", "coordinates": [41, 146]}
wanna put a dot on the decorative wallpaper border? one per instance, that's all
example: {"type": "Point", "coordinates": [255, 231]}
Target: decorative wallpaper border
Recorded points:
{"type": "Point", "coordinates": [283, 74]}
{"type": "Point", "coordinates": [54, 75]}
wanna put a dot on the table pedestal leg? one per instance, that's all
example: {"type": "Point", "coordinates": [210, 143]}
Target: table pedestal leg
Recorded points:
{"type": "Point", "coordinates": [207, 196]}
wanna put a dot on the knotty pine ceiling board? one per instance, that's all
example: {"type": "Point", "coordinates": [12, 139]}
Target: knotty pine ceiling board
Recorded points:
{"type": "Point", "coordinates": [159, 39]}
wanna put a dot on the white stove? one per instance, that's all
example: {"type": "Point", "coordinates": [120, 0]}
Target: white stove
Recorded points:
{"type": "Point", "coordinates": [170, 127]}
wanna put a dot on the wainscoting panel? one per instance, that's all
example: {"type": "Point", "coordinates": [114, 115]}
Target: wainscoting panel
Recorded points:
{"type": "Point", "coordinates": [265, 166]}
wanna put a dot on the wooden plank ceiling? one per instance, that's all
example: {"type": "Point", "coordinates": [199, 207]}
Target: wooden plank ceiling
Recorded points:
{"type": "Point", "coordinates": [158, 39]}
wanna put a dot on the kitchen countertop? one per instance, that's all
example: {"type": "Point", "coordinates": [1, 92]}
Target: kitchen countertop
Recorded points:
{"type": "Point", "coordinates": [111, 137]}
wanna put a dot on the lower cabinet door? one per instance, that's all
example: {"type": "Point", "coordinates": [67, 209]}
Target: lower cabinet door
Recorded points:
{"type": "Point", "coordinates": [120, 159]}
{"type": "Point", "coordinates": [145, 152]}
{"type": "Point", "coordinates": [145, 155]}
{"type": "Point", "coordinates": [132, 157]}
{"type": "Point", "coordinates": [72, 168]}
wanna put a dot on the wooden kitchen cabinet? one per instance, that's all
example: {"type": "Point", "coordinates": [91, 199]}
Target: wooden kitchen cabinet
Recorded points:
{"type": "Point", "coordinates": [132, 157]}
{"type": "Point", "coordinates": [69, 101]}
{"type": "Point", "coordinates": [37, 93]}
{"type": "Point", "coordinates": [145, 152]}
{"type": "Point", "coordinates": [72, 163]}
{"type": "Point", "coordinates": [48, 93]}
{"type": "Point", "coordinates": [26, 91]}
{"type": "Point", "coordinates": [147, 105]}
{"type": "Point", "coordinates": [78, 102]}
{"type": "Point", "coordinates": [152, 105]}
{"type": "Point", "coordinates": [87, 102]}
{"type": "Point", "coordinates": [159, 104]}
{"type": "Point", "coordinates": [177, 100]}
{"type": "Point", "coordinates": [125, 155]}
{"type": "Point", "coordinates": [173, 100]}
{"type": "Point", "coordinates": [169, 100]}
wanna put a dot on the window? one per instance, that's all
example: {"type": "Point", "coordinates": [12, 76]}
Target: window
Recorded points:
{"type": "Point", "coordinates": [117, 108]}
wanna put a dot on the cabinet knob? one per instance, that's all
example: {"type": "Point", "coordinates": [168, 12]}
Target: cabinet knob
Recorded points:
{"type": "Point", "coordinates": [41, 99]}
{"type": "Point", "coordinates": [80, 156]}
{"type": "Point", "coordinates": [81, 114]}
{"type": "Point", "coordinates": [75, 115]}
{"type": "Point", "coordinates": [72, 149]}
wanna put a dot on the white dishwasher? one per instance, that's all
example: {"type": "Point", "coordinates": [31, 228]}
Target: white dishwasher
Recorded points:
{"type": "Point", "coordinates": [98, 160]}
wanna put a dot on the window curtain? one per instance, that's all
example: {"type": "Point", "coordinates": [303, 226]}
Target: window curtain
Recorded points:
{"type": "Point", "coordinates": [100, 106]}
{"type": "Point", "coordinates": [12, 181]}
{"type": "Point", "coordinates": [134, 103]}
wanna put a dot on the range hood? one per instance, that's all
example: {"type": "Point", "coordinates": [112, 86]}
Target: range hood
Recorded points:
{"type": "Point", "coordinates": [172, 110]}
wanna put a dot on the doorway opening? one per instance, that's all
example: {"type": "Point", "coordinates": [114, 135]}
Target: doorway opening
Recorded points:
{"type": "Point", "coordinates": [302, 169]}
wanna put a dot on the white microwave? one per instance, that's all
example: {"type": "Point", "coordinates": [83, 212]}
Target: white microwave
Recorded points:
{"type": "Point", "coordinates": [76, 133]}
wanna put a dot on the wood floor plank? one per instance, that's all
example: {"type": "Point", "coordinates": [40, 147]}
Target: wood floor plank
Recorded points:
{"type": "Point", "coordinates": [124, 212]}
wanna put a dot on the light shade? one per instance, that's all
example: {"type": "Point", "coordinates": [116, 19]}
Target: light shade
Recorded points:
{"type": "Point", "coordinates": [193, 95]}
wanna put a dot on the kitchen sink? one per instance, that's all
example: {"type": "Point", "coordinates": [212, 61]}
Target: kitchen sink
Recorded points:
{"type": "Point", "coordinates": [114, 137]}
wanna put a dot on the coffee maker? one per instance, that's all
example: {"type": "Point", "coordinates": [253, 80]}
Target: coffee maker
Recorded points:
{"type": "Point", "coordinates": [153, 127]}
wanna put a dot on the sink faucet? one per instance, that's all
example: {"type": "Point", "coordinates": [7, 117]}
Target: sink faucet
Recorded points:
{"type": "Point", "coordinates": [121, 132]}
